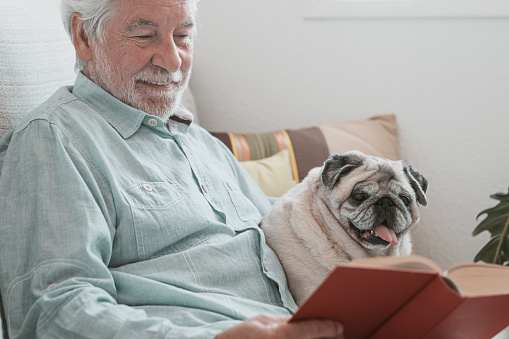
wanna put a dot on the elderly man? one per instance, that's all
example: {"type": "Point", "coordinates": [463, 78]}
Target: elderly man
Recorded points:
{"type": "Point", "coordinates": [122, 219]}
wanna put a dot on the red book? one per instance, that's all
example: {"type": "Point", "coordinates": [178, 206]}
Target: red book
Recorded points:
{"type": "Point", "coordinates": [411, 298]}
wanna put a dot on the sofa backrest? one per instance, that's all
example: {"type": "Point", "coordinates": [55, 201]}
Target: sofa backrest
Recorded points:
{"type": "Point", "coordinates": [36, 58]}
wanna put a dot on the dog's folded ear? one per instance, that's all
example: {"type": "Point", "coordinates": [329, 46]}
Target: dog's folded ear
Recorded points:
{"type": "Point", "coordinates": [418, 182]}
{"type": "Point", "coordinates": [338, 165]}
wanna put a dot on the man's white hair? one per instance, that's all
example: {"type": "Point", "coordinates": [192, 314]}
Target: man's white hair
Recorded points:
{"type": "Point", "coordinates": [95, 14]}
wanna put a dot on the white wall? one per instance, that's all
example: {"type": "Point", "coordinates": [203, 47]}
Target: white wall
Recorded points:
{"type": "Point", "coordinates": [43, 6]}
{"type": "Point", "coordinates": [259, 66]}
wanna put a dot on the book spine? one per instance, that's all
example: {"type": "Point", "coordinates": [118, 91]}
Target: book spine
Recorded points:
{"type": "Point", "coordinates": [420, 314]}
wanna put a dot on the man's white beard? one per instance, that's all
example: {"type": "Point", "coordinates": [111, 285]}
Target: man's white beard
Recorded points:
{"type": "Point", "coordinates": [160, 103]}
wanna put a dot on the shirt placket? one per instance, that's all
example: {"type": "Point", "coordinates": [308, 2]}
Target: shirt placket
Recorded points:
{"type": "Point", "coordinates": [178, 132]}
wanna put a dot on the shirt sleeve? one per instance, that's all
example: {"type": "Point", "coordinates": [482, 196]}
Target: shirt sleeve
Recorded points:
{"type": "Point", "coordinates": [58, 224]}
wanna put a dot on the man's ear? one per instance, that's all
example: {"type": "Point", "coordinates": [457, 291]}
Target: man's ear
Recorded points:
{"type": "Point", "coordinates": [80, 39]}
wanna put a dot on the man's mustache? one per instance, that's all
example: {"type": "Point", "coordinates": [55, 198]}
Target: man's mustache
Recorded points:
{"type": "Point", "coordinates": [158, 76]}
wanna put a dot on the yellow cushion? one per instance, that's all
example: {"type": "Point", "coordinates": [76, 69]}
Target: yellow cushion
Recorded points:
{"type": "Point", "coordinates": [273, 174]}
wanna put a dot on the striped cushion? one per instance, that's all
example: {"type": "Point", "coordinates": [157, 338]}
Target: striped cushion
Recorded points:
{"type": "Point", "coordinates": [310, 147]}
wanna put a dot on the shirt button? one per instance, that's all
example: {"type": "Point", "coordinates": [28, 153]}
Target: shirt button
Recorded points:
{"type": "Point", "coordinates": [205, 188]}
{"type": "Point", "coordinates": [265, 267]}
{"type": "Point", "coordinates": [152, 122]}
{"type": "Point", "coordinates": [147, 187]}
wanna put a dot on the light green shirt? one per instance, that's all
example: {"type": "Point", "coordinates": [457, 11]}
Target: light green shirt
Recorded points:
{"type": "Point", "coordinates": [114, 227]}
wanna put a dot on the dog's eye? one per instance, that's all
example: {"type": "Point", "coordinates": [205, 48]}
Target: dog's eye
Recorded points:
{"type": "Point", "coordinates": [359, 197]}
{"type": "Point", "coordinates": [406, 200]}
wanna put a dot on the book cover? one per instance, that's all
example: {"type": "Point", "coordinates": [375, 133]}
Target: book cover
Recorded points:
{"type": "Point", "coordinates": [388, 302]}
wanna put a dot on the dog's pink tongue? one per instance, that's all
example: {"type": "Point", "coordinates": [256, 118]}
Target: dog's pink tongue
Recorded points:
{"type": "Point", "coordinates": [386, 234]}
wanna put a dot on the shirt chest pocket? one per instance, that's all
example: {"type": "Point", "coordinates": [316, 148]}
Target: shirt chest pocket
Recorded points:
{"type": "Point", "coordinates": [153, 195]}
{"type": "Point", "coordinates": [242, 206]}
{"type": "Point", "coordinates": [164, 218]}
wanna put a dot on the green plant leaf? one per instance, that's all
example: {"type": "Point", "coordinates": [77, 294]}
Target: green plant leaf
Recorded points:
{"type": "Point", "coordinates": [490, 253]}
{"type": "Point", "coordinates": [497, 224]}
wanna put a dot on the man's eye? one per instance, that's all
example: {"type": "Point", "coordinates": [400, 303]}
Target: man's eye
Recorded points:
{"type": "Point", "coordinates": [144, 36]}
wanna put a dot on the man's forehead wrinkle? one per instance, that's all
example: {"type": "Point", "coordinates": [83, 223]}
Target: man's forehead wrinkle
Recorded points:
{"type": "Point", "coordinates": [135, 21]}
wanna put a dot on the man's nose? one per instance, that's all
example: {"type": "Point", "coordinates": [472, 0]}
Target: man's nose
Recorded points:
{"type": "Point", "coordinates": [167, 56]}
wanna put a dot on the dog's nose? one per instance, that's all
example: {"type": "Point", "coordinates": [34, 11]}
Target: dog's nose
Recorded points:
{"type": "Point", "coordinates": [385, 202]}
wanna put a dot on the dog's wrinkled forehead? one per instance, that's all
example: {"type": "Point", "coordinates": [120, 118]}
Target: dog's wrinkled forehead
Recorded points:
{"type": "Point", "coordinates": [379, 176]}
{"type": "Point", "coordinates": [380, 169]}
{"type": "Point", "coordinates": [385, 172]}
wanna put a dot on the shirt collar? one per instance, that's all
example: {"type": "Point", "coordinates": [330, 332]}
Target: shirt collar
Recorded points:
{"type": "Point", "coordinates": [125, 119]}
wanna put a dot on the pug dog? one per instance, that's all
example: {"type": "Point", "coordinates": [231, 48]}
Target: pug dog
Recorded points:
{"type": "Point", "coordinates": [354, 206]}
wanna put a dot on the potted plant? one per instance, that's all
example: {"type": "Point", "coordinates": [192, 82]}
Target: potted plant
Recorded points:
{"type": "Point", "coordinates": [496, 251]}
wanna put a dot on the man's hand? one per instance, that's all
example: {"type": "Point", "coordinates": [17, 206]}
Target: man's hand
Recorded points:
{"type": "Point", "coordinates": [268, 327]}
